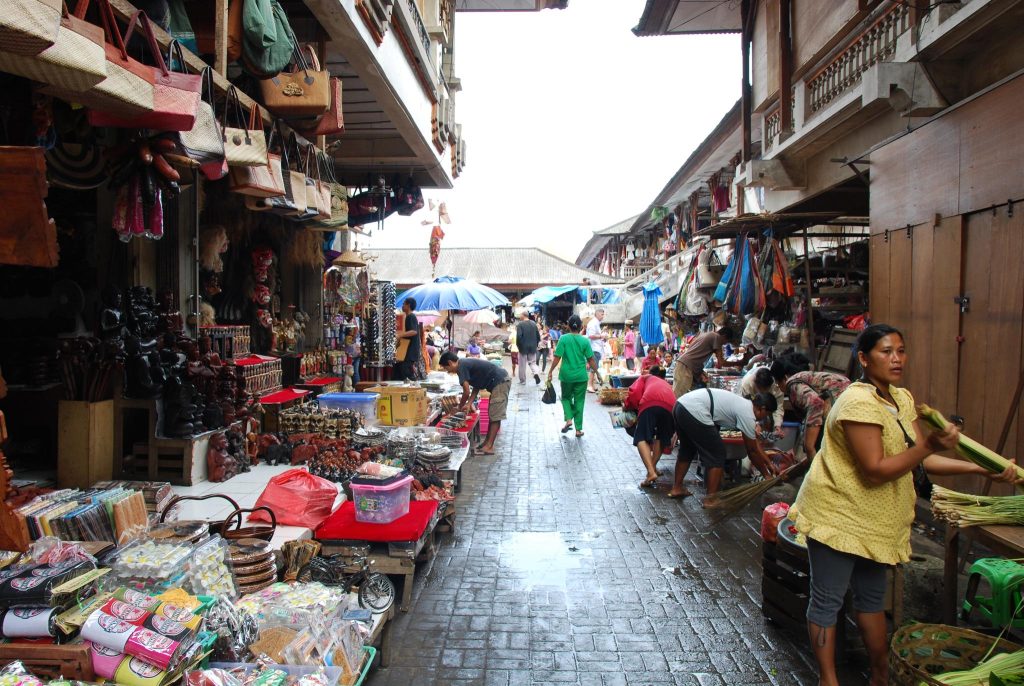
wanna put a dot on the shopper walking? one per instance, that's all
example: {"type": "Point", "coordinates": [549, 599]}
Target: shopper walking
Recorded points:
{"type": "Point", "coordinates": [574, 353]}
{"type": "Point", "coordinates": [544, 349]}
{"type": "Point", "coordinates": [652, 399]}
{"type": "Point", "coordinates": [597, 339]}
{"type": "Point", "coordinates": [528, 340]}
{"type": "Point", "coordinates": [629, 346]}
{"type": "Point", "coordinates": [857, 502]}
{"type": "Point", "coordinates": [481, 375]}
{"type": "Point", "coordinates": [513, 348]}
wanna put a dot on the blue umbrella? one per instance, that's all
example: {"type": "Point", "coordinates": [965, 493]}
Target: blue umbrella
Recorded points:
{"type": "Point", "coordinates": [453, 293]}
{"type": "Point", "coordinates": [650, 318]}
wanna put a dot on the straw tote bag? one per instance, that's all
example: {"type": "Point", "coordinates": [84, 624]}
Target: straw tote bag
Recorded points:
{"type": "Point", "coordinates": [246, 146]}
{"type": "Point", "coordinates": [76, 61]}
{"type": "Point", "coordinates": [302, 92]}
{"type": "Point", "coordinates": [259, 181]}
{"type": "Point", "coordinates": [293, 202]}
{"type": "Point", "coordinates": [27, 27]}
{"type": "Point", "coordinates": [338, 201]}
{"type": "Point", "coordinates": [176, 95]}
{"type": "Point", "coordinates": [128, 88]}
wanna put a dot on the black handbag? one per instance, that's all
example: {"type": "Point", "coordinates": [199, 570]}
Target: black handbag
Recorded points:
{"type": "Point", "coordinates": [549, 397]}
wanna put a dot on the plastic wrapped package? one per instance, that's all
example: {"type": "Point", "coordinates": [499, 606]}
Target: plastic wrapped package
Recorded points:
{"type": "Point", "coordinates": [209, 569]}
{"type": "Point", "coordinates": [211, 677]}
{"type": "Point", "coordinates": [305, 596]}
{"type": "Point", "coordinates": [147, 564]}
{"type": "Point", "coordinates": [50, 550]}
{"type": "Point", "coordinates": [236, 630]}
{"type": "Point", "coordinates": [33, 584]}
{"type": "Point", "coordinates": [15, 674]}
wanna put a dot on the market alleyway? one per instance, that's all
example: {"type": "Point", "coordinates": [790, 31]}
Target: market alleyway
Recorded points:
{"type": "Point", "coordinates": [561, 570]}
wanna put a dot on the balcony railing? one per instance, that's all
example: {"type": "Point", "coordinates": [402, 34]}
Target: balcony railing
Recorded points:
{"type": "Point", "coordinates": [772, 126]}
{"type": "Point", "coordinates": [421, 28]}
{"type": "Point", "coordinates": [874, 45]}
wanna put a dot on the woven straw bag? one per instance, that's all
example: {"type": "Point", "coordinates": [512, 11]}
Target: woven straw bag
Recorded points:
{"type": "Point", "coordinates": [27, 27]}
{"type": "Point", "coordinates": [246, 146]}
{"type": "Point", "coordinates": [128, 88]}
{"type": "Point", "coordinates": [75, 62]}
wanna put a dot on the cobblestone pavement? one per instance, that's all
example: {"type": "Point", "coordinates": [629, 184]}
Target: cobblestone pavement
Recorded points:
{"type": "Point", "coordinates": [562, 570]}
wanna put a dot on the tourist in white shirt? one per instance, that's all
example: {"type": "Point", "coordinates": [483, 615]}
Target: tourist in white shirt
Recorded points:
{"type": "Point", "coordinates": [597, 343]}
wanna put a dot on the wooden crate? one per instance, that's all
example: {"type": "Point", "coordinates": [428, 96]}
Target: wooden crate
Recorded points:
{"type": "Point", "coordinates": [69, 661]}
{"type": "Point", "coordinates": [85, 442]}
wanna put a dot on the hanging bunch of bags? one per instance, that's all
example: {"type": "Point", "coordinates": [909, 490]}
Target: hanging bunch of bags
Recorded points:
{"type": "Point", "coordinates": [741, 291]}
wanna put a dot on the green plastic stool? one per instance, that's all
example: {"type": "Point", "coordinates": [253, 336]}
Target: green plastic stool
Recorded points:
{"type": "Point", "coordinates": [1004, 578]}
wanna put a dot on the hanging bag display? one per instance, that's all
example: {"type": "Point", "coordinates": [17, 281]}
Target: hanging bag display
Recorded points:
{"type": "Point", "coordinates": [293, 202]}
{"type": "Point", "coordinates": [76, 61]}
{"type": "Point", "coordinates": [127, 89]}
{"type": "Point", "coordinates": [301, 92]}
{"type": "Point", "coordinates": [309, 185]}
{"type": "Point", "coordinates": [268, 40]}
{"type": "Point", "coordinates": [176, 95]}
{"type": "Point", "coordinates": [245, 146]}
{"type": "Point", "coordinates": [27, 27]}
{"type": "Point", "coordinates": [204, 142]}
{"type": "Point", "coordinates": [203, 19]}
{"type": "Point", "coordinates": [259, 181]}
{"type": "Point", "coordinates": [323, 190]}
{"type": "Point", "coordinates": [333, 121]}
{"type": "Point", "coordinates": [338, 200]}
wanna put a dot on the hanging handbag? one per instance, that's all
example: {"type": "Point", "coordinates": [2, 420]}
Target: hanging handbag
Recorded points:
{"type": "Point", "coordinates": [259, 181]}
{"type": "Point", "coordinates": [27, 27]}
{"type": "Point", "coordinates": [293, 202]}
{"type": "Point", "coordinates": [301, 92]}
{"type": "Point", "coordinates": [338, 201]}
{"type": "Point", "coordinates": [333, 121]}
{"type": "Point", "coordinates": [27, 234]}
{"type": "Point", "coordinates": [203, 20]}
{"type": "Point", "coordinates": [323, 191]}
{"type": "Point", "coordinates": [127, 89]}
{"type": "Point", "coordinates": [246, 146]}
{"type": "Point", "coordinates": [268, 40]}
{"type": "Point", "coordinates": [204, 142]}
{"type": "Point", "coordinates": [176, 95]}
{"type": "Point", "coordinates": [76, 61]}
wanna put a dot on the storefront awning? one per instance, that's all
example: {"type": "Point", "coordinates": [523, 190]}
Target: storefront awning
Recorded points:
{"type": "Point", "coordinates": [785, 222]}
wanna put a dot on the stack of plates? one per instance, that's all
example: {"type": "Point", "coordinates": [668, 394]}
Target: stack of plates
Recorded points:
{"type": "Point", "coordinates": [253, 563]}
{"type": "Point", "coordinates": [433, 456]}
{"type": "Point", "coordinates": [179, 532]}
{"type": "Point", "coordinates": [368, 438]}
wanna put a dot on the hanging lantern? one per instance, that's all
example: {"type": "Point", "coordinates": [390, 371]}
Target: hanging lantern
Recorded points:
{"type": "Point", "coordinates": [349, 258]}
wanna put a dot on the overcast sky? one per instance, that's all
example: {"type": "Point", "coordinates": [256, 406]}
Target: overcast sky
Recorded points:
{"type": "Point", "coordinates": [572, 123]}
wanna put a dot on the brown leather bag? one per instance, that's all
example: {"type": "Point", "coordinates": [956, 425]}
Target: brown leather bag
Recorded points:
{"type": "Point", "coordinates": [203, 19]}
{"type": "Point", "coordinates": [333, 121]}
{"type": "Point", "coordinates": [302, 92]}
{"type": "Point", "coordinates": [28, 236]}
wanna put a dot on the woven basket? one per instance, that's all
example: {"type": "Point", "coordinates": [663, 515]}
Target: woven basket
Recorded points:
{"type": "Point", "coordinates": [612, 396]}
{"type": "Point", "coordinates": [919, 651]}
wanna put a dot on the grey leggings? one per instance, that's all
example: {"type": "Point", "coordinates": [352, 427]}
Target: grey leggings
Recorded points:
{"type": "Point", "coordinates": [832, 572]}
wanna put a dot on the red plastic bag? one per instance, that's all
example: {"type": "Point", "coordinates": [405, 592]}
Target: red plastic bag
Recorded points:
{"type": "Point", "coordinates": [297, 498]}
{"type": "Point", "coordinates": [770, 518]}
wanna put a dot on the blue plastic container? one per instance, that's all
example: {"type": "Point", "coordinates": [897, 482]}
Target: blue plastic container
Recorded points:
{"type": "Point", "coordinates": [364, 403]}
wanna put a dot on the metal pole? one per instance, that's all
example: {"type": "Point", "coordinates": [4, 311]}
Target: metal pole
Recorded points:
{"type": "Point", "coordinates": [810, 309]}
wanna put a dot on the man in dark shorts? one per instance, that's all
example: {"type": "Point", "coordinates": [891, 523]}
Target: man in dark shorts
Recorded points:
{"type": "Point", "coordinates": [651, 397]}
{"type": "Point", "coordinates": [406, 367]}
{"type": "Point", "coordinates": [477, 375]}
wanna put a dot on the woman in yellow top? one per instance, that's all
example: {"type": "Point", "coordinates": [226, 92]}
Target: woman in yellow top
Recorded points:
{"type": "Point", "coordinates": [857, 503]}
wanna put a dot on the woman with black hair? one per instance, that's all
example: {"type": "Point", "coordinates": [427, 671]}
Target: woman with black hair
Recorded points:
{"type": "Point", "coordinates": [856, 504]}
{"type": "Point", "coordinates": [574, 354]}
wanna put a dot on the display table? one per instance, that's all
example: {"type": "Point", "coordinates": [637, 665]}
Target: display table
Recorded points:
{"type": "Point", "coordinates": [394, 548]}
{"type": "Point", "coordinates": [320, 385]}
{"type": "Point", "coordinates": [1007, 541]}
{"type": "Point", "coordinates": [274, 403]}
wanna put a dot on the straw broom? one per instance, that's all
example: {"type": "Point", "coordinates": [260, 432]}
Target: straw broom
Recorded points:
{"type": "Point", "coordinates": [736, 499]}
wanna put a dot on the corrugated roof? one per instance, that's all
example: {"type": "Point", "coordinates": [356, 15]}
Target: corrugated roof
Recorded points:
{"type": "Point", "coordinates": [680, 17]}
{"type": "Point", "coordinates": [513, 267]}
{"type": "Point", "coordinates": [601, 238]}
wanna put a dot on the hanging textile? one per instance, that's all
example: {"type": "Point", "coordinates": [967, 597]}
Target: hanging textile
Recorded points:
{"type": "Point", "coordinates": [741, 291]}
{"type": "Point", "coordinates": [435, 248]}
{"type": "Point", "coordinates": [650, 317]}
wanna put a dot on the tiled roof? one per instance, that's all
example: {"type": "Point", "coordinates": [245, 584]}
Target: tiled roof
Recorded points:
{"type": "Point", "coordinates": [525, 267]}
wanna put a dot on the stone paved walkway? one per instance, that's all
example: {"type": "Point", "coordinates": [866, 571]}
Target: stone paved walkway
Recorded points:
{"type": "Point", "coordinates": [562, 571]}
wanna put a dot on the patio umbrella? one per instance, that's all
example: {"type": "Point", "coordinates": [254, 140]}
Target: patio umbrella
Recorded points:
{"type": "Point", "coordinates": [453, 293]}
{"type": "Point", "coordinates": [650, 318]}
{"type": "Point", "coordinates": [480, 317]}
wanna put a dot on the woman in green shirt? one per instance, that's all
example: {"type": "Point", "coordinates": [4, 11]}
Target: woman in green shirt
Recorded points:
{"type": "Point", "coordinates": [574, 353]}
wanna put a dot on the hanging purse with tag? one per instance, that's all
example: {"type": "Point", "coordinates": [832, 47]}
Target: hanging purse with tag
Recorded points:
{"type": "Point", "coordinates": [27, 27]}
{"type": "Point", "coordinates": [312, 190]}
{"type": "Point", "coordinates": [293, 202]}
{"type": "Point", "coordinates": [204, 142]}
{"type": "Point", "coordinates": [333, 121]}
{"type": "Point", "coordinates": [176, 95]}
{"type": "Point", "coordinates": [76, 60]}
{"type": "Point", "coordinates": [323, 190]}
{"type": "Point", "coordinates": [338, 201]}
{"type": "Point", "coordinates": [302, 92]}
{"type": "Point", "coordinates": [259, 181]}
{"type": "Point", "coordinates": [127, 89]}
{"type": "Point", "coordinates": [245, 146]}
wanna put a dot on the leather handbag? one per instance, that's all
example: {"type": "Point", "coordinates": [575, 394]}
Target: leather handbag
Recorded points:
{"type": "Point", "coordinates": [259, 181]}
{"type": "Point", "coordinates": [27, 27]}
{"type": "Point", "coordinates": [204, 142]}
{"type": "Point", "coordinates": [338, 201]}
{"type": "Point", "coordinates": [176, 95]}
{"type": "Point", "coordinates": [127, 89]}
{"type": "Point", "coordinates": [301, 92]}
{"type": "Point", "coordinates": [333, 121]}
{"type": "Point", "coordinates": [245, 146]}
{"type": "Point", "coordinates": [76, 60]}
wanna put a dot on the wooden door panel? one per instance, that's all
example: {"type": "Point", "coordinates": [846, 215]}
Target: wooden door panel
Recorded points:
{"type": "Point", "coordinates": [919, 327]}
{"type": "Point", "coordinates": [947, 240]}
{"type": "Point", "coordinates": [879, 273]}
{"type": "Point", "coordinates": [900, 266]}
{"type": "Point", "coordinates": [975, 328]}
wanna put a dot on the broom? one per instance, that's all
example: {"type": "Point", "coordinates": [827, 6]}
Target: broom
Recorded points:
{"type": "Point", "coordinates": [736, 499]}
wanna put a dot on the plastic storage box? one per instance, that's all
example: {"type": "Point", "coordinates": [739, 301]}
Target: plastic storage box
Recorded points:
{"type": "Point", "coordinates": [364, 403]}
{"type": "Point", "coordinates": [381, 504]}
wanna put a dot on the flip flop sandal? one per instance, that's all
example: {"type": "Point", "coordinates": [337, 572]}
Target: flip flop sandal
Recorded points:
{"type": "Point", "coordinates": [579, 434]}
{"type": "Point", "coordinates": [649, 483]}
{"type": "Point", "coordinates": [567, 428]}
{"type": "Point", "coordinates": [678, 496]}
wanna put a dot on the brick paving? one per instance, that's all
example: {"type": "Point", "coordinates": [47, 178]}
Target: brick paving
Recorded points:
{"type": "Point", "coordinates": [562, 571]}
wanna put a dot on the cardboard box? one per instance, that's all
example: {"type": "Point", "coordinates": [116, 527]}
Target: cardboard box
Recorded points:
{"type": "Point", "coordinates": [401, 405]}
